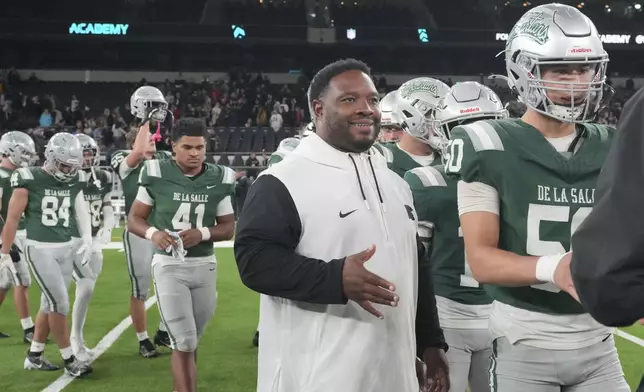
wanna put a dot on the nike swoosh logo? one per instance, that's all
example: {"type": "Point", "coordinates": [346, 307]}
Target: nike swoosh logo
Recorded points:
{"type": "Point", "coordinates": [212, 269]}
{"type": "Point", "coordinates": [71, 185]}
{"type": "Point", "coordinates": [344, 215]}
{"type": "Point", "coordinates": [210, 186]}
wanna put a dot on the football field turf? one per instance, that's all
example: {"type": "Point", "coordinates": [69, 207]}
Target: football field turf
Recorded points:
{"type": "Point", "coordinates": [227, 360]}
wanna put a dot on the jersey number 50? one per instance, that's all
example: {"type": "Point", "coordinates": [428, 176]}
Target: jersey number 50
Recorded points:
{"type": "Point", "coordinates": [454, 156]}
{"type": "Point", "coordinates": [535, 246]}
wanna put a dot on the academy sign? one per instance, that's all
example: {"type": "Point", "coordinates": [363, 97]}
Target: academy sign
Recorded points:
{"type": "Point", "coordinates": [98, 29]}
{"type": "Point", "coordinates": [618, 39]}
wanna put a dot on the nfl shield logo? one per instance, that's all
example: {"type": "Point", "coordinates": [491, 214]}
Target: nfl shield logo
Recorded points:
{"type": "Point", "coordinates": [351, 34]}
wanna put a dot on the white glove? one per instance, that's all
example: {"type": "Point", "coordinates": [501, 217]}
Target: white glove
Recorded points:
{"type": "Point", "coordinates": [104, 235]}
{"type": "Point", "coordinates": [177, 251]}
{"type": "Point", "coordinates": [7, 262]}
{"type": "Point", "coordinates": [86, 251]}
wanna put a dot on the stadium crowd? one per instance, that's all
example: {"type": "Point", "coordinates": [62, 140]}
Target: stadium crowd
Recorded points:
{"type": "Point", "coordinates": [241, 100]}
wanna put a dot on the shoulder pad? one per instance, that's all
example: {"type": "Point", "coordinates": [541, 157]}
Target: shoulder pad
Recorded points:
{"type": "Point", "coordinates": [117, 158]}
{"type": "Point", "coordinates": [4, 173]}
{"type": "Point", "coordinates": [427, 176]}
{"type": "Point", "coordinates": [483, 135]}
{"type": "Point", "coordinates": [153, 168]}
{"type": "Point", "coordinates": [228, 176]}
{"type": "Point", "coordinates": [605, 132]}
{"type": "Point", "coordinates": [385, 150]}
{"type": "Point", "coordinates": [289, 144]}
{"type": "Point", "coordinates": [83, 176]}
{"type": "Point", "coordinates": [25, 173]}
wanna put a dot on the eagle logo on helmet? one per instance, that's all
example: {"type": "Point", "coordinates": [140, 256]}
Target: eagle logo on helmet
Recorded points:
{"type": "Point", "coordinates": [416, 86]}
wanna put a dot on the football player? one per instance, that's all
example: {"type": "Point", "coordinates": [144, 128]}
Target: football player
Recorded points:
{"type": "Point", "coordinates": [390, 130]}
{"type": "Point", "coordinates": [289, 144]}
{"type": "Point", "coordinates": [524, 186]}
{"type": "Point", "coordinates": [189, 202]}
{"type": "Point", "coordinates": [97, 193]}
{"type": "Point", "coordinates": [463, 306]}
{"type": "Point", "coordinates": [45, 195]}
{"type": "Point", "coordinates": [147, 104]}
{"type": "Point", "coordinates": [18, 150]}
{"type": "Point", "coordinates": [416, 102]}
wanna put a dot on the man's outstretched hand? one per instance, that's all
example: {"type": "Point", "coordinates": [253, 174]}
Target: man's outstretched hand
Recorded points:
{"type": "Point", "coordinates": [364, 287]}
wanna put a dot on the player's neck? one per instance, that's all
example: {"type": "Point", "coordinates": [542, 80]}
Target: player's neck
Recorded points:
{"type": "Point", "coordinates": [414, 146]}
{"type": "Point", "coordinates": [6, 163]}
{"type": "Point", "coordinates": [549, 127]}
{"type": "Point", "coordinates": [191, 172]}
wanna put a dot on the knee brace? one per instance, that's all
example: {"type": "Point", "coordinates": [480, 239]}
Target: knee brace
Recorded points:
{"type": "Point", "coordinates": [185, 342]}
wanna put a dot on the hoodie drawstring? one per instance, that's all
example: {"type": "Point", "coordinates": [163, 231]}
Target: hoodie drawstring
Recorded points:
{"type": "Point", "coordinates": [364, 197]}
{"type": "Point", "coordinates": [375, 179]}
{"type": "Point", "coordinates": [373, 173]}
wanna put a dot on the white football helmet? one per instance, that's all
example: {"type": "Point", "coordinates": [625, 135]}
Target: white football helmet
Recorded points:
{"type": "Point", "coordinates": [466, 102]}
{"type": "Point", "coordinates": [63, 156]}
{"type": "Point", "coordinates": [89, 144]}
{"type": "Point", "coordinates": [148, 102]}
{"type": "Point", "coordinates": [19, 148]}
{"type": "Point", "coordinates": [551, 36]}
{"type": "Point", "coordinates": [416, 102]}
{"type": "Point", "coordinates": [387, 107]}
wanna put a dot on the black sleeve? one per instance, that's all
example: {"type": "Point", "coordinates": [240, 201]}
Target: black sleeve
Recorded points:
{"type": "Point", "coordinates": [428, 330]}
{"type": "Point", "coordinates": [608, 248]}
{"type": "Point", "coordinates": [268, 231]}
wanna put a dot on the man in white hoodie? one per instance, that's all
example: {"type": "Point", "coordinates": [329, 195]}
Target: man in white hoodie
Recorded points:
{"type": "Point", "coordinates": [328, 237]}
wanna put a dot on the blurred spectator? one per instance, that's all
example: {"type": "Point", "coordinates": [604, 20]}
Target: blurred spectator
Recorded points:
{"type": "Point", "coordinates": [276, 120]}
{"type": "Point", "coordinates": [46, 119]}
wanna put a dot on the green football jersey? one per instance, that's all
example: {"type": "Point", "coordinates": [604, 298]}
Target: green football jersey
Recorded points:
{"type": "Point", "coordinates": [436, 205]}
{"type": "Point", "coordinates": [48, 214]}
{"type": "Point", "coordinates": [94, 193]}
{"type": "Point", "coordinates": [544, 195]}
{"type": "Point", "coordinates": [285, 147]}
{"type": "Point", "coordinates": [5, 188]}
{"type": "Point", "coordinates": [399, 160]}
{"type": "Point", "coordinates": [182, 203]}
{"type": "Point", "coordinates": [129, 179]}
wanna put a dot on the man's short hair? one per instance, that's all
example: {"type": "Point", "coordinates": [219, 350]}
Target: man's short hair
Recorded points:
{"type": "Point", "coordinates": [188, 126]}
{"type": "Point", "coordinates": [322, 79]}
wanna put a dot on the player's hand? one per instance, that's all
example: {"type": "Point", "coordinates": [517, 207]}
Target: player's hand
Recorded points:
{"type": "Point", "coordinates": [163, 240]}
{"type": "Point", "coordinates": [104, 235]}
{"type": "Point", "coordinates": [190, 237]}
{"type": "Point", "coordinates": [85, 251]}
{"type": "Point", "coordinates": [7, 262]}
{"type": "Point", "coordinates": [364, 287]}
{"type": "Point", "coordinates": [563, 277]}
{"type": "Point", "coordinates": [436, 377]}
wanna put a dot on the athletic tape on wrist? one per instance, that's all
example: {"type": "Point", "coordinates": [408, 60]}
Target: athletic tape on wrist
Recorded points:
{"type": "Point", "coordinates": [546, 267]}
{"type": "Point", "coordinates": [150, 232]}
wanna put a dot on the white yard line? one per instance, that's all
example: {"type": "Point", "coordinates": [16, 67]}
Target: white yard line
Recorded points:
{"type": "Point", "coordinates": [630, 338]}
{"type": "Point", "coordinates": [102, 346]}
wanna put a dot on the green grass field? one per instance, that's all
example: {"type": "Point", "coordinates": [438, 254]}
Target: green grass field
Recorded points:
{"type": "Point", "coordinates": [227, 360]}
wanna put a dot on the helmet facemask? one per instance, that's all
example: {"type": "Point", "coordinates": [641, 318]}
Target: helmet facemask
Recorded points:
{"type": "Point", "coordinates": [90, 158]}
{"type": "Point", "coordinates": [423, 125]}
{"type": "Point", "coordinates": [61, 171]}
{"type": "Point", "coordinates": [565, 100]}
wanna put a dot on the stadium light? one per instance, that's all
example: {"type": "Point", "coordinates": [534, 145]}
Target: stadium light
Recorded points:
{"type": "Point", "coordinates": [638, 6]}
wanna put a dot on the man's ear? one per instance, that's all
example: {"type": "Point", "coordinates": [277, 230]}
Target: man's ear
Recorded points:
{"type": "Point", "coordinates": [318, 108]}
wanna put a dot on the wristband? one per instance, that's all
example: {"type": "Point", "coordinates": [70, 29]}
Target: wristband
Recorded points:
{"type": "Point", "coordinates": [205, 233]}
{"type": "Point", "coordinates": [546, 267]}
{"type": "Point", "coordinates": [150, 232]}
